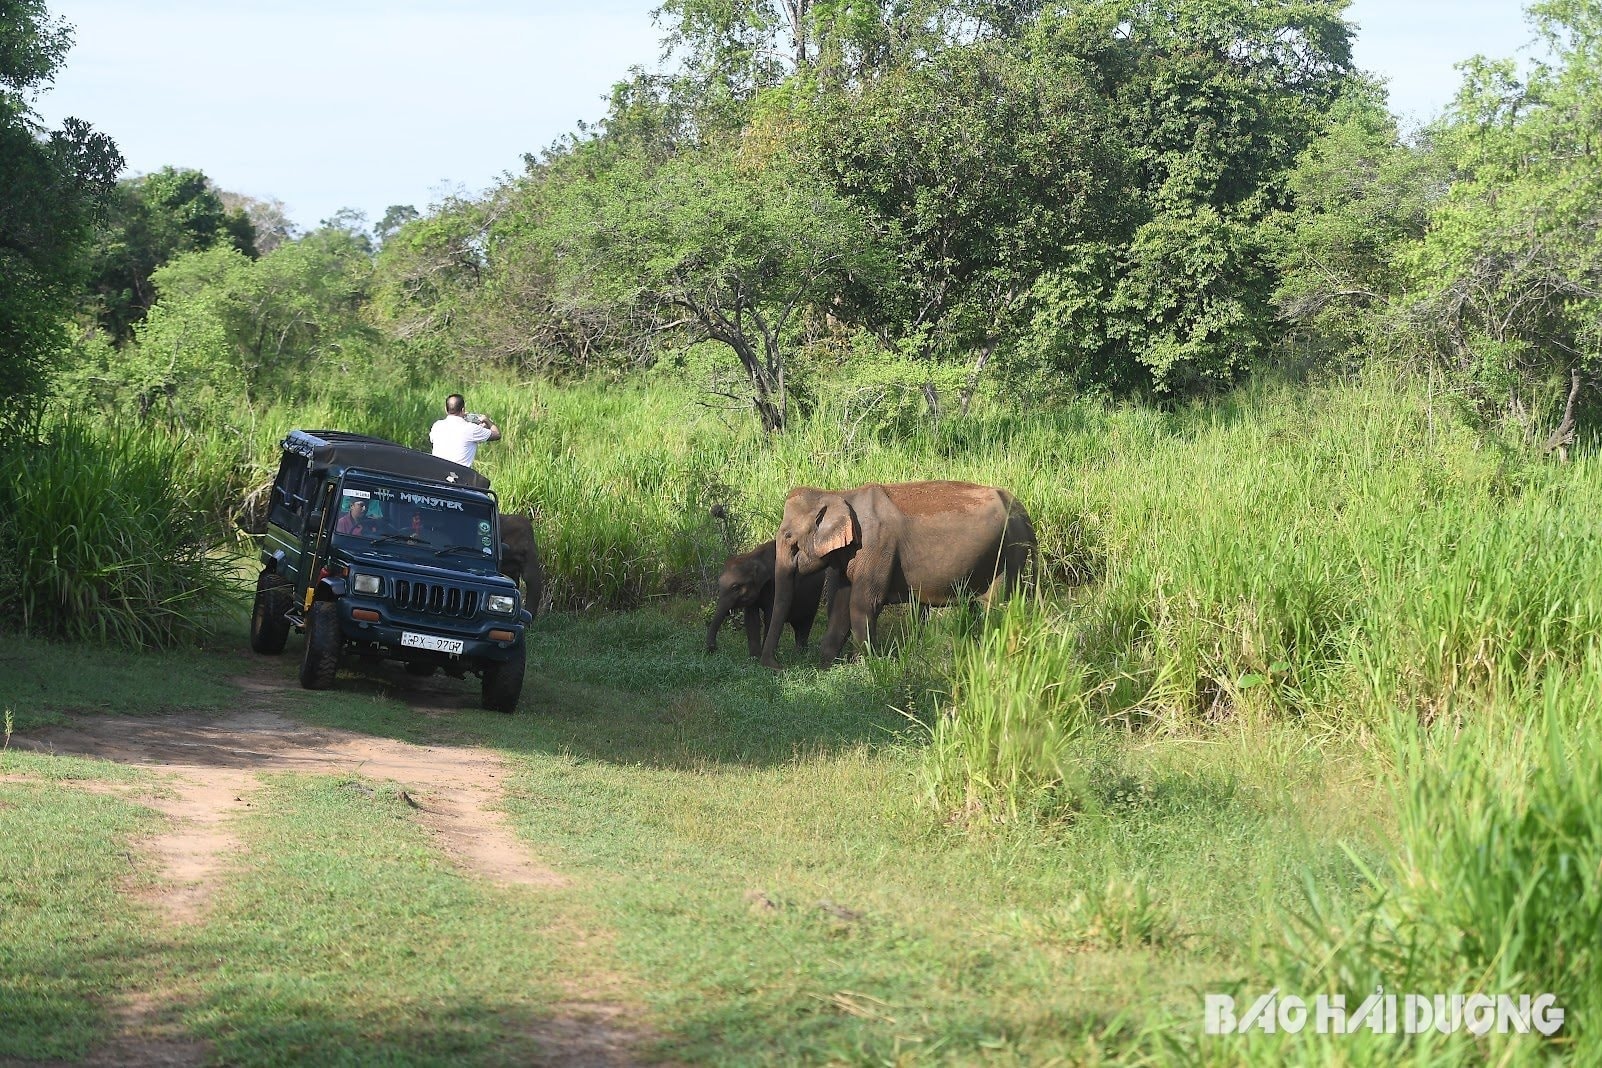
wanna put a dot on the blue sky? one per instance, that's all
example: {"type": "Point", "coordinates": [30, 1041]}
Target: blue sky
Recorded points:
{"type": "Point", "coordinates": [368, 103]}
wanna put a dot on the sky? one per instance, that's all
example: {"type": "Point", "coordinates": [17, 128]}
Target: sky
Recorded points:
{"type": "Point", "coordinates": [363, 104]}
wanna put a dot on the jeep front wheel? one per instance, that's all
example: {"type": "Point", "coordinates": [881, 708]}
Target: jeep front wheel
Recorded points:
{"type": "Point", "coordinates": [269, 630]}
{"type": "Point", "coordinates": [503, 683]}
{"type": "Point", "coordinates": [321, 660]}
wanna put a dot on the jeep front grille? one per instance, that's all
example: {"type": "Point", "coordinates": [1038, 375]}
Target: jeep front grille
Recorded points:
{"type": "Point", "coordinates": [436, 598]}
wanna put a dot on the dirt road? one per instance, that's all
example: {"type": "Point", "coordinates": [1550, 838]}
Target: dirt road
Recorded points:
{"type": "Point", "coordinates": [214, 765]}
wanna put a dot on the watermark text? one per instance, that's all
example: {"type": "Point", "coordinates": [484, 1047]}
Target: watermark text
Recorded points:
{"type": "Point", "coordinates": [1385, 1014]}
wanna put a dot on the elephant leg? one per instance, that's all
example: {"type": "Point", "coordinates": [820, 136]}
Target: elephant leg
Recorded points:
{"type": "Point", "coordinates": [839, 623]}
{"type": "Point", "coordinates": [755, 629]}
{"type": "Point", "coordinates": [866, 604]}
{"type": "Point", "coordinates": [803, 628]}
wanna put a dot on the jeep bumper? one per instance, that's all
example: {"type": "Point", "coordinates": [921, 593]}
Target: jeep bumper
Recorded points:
{"type": "Point", "coordinates": [382, 637]}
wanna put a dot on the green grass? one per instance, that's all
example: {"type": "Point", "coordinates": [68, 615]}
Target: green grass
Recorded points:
{"type": "Point", "coordinates": [344, 938]}
{"type": "Point", "coordinates": [764, 853]}
{"type": "Point", "coordinates": [42, 679]}
{"type": "Point", "coordinates": [105, 537]}
{"type": "Point", "coordinates": [1306, 699]}
{"type": "Point", "coordinates": [756, 872]}
{"type": "Point", "coordinates": [69, 933]}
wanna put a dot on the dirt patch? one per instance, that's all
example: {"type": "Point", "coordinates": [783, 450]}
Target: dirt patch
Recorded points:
{"type": "Point", "coordinates": [215, 762]}
{"type": "Point", "coordinates": [587, 1035]}
{"type": "Point", "coordinates": [147, 1039]}
{"type": "Point", "coordinates": [211, 767]}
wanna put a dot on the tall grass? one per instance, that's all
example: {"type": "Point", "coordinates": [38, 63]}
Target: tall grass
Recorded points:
{"type": "Point", "coordinates": [1341, 562]}
{"type": "Point", "coordinates": [103, 537]}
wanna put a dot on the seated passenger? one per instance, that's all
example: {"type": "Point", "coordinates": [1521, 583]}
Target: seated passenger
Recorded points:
{"type": "Point", "coordinates": [352, 521]}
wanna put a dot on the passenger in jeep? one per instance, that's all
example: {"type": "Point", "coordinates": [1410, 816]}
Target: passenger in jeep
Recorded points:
{"type": "Point", "coordinates": [352, 521]}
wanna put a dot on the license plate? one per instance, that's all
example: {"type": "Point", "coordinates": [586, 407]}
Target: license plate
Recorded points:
{"type": "Point", "coordinates": [429, 641]}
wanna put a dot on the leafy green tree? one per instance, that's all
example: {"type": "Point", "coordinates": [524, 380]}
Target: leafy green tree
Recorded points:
{"type": "Point", "coordinates": [269, 220]}
{"type": "Point", "coordinates": [993, 162]}
{"type": "Point", "coordinates": [428, 282]}
{"type": "Point", "coordinates": [1214, 102]}
{"type": "Point", "coordinates": [225, 328]}
{"type": "Point", "coordinates": [154, 218]}
{"type": "Point", "coordinates": [52, 183]}
{"type": "Point", "coordinates": [713, 246]}
{"type": "Point", "coordinates": [1509, 277]}
{"type": "Point", "coordinates": [1362, 199]}
{"type": "Point", "coordinates": [740, 48]}
{"type": "Point", "coordinates": [395, 217]}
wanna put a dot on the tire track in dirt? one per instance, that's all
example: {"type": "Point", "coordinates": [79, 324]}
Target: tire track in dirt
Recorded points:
{"type": "Point", "coordinates": [214, 763]}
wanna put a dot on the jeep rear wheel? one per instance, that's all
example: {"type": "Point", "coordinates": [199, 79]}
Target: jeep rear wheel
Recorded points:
{"type": "Point", "coordinates": [269, 630]}
{"type": "Point", "coordinates": [321, 660]}
{"type": "Point", "coordinates": [503, 683]}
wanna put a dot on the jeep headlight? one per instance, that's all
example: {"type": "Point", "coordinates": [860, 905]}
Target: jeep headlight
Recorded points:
{"type": "Point", "coordinates": [365, 583]}
{"type": "Point", "coordinates": [503, 603]}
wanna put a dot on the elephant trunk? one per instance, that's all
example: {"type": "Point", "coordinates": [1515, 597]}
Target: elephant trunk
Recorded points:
{"type": "Point", "coordinates": [726, 605]}
{"type": "Point", "coordinates": [784, 575]}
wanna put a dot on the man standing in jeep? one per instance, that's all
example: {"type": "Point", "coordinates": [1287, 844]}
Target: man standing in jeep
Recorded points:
{"type": "Point", "coordinates": [456, 438]}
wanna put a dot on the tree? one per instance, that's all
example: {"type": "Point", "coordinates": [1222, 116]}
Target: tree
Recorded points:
{"type": "Point", "coordinates": [395, 217]}
{"type": "Point", "coordinates": [713, 246]}
{"type": "Point", "coordinates": [1362, 199]}
{"type": "Point", "coordinates": [428, 281]}
{"type": "Point", "coordinates": [1215, 103]}
{"type": "Point", "coordinates": [992, 161]}
{"type": "Point", "coordinates": [225, 328]}
{"type": "Point", "coordinates": [52, 183]}
{"type": "Point", "coordinates": [1508, 279]}
{"type": "Point", "coordinates": [269, 219]}
{"type": "Point", "coordinates": [154, 218]}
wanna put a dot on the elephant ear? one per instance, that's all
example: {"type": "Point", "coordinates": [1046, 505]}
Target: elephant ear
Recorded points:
{"type": "Point", "coordinates": [834, 528]}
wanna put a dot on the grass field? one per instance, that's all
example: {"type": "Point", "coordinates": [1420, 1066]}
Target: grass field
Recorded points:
{"type": "Point", "coordinates": [1308, 699]}
{"type": "Point", "coordinates": [756, 875]}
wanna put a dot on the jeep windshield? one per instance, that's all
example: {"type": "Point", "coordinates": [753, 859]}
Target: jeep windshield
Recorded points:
{"type": "Point", "coordinates": [396, 515]}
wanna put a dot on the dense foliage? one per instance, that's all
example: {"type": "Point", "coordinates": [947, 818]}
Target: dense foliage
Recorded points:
{"type": "Point", "coordinates": [1143, 200]}
{"type": "Point", "coordinates": [51, 184]}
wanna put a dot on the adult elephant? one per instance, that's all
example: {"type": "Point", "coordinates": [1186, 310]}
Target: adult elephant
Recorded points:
{"type": "Point", "coordinates": [885, 543]}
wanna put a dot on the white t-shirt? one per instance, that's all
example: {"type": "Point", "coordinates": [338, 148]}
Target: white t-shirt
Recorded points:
{"type": "Point", "coordinates": [456, 440]}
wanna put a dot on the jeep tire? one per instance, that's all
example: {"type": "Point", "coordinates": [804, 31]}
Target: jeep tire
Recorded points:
{"type": "Point", "coordinates": [321, 660]}
{"type": "Point", "coordinates": [503, 682]}
{"type": "Point", "coordinates": [269, 630]}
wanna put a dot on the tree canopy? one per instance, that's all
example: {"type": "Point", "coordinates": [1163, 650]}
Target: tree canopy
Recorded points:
{"type": "Point", "coordinates": [1139, 198]}
{"type": "Point", "coordinates": [52, 183]}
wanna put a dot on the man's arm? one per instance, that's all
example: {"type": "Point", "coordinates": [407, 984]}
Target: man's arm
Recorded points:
{"type": "Point", "coordinates": [494, 430]}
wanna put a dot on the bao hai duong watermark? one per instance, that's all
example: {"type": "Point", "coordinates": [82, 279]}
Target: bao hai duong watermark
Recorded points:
{"type": "Point", "coordinates": [1381, 1013]}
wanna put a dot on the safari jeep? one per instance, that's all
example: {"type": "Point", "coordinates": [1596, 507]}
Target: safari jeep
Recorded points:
{"type": "Point", "coordinates": [379, 550]}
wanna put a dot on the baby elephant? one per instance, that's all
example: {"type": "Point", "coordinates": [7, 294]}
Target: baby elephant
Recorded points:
{"type": "Point", "coordinates": [747, 582]}
{"type": "Point", "coordinates": [520, 558]}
